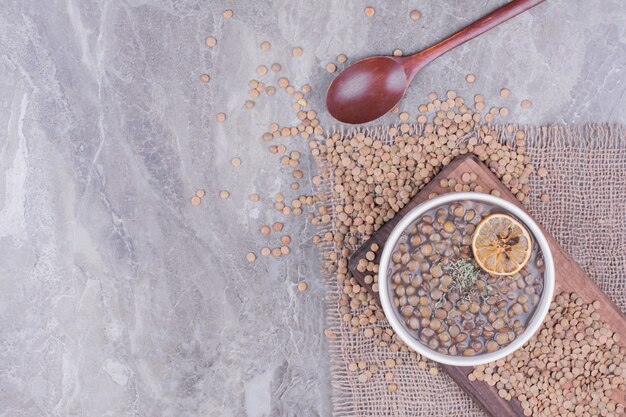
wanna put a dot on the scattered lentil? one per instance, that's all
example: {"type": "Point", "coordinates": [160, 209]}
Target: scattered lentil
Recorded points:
{"type": "Point", "coordinates": [330, 334]}
{"type": "Point", "coordinates": [415, 15]}
{"type": "Point", "coordinates": [470, 78]}
{"type": "Point", "coordinates": [205, 78]}
{"type": "Point", "coordinates": [331, 67]}
{"type": "Point", "coordinates": [297, 51]}
{"type": "Point", "coordinates": [369, 11]}
{"type": "Point", "coordinates": [220, 117]}
{"type": "Point", "coordinates": [195, 200]}
{"type": "Point", "coordinates": [227, 14]}
{"type": "Point", "coordinates": [224, 194]}
{"type": "Point", "coordinates": [210, 41]}
{"type": "Point", "coordinates": [265, 45]}
{"type": "Point", "coordinates": [235, 162]}
{"type": "Point", "coordinates": [200, 192]}
{"type": "Point", "coordinates": [302, 287]}
{"type": "Point", "coordinates": [251, 257]}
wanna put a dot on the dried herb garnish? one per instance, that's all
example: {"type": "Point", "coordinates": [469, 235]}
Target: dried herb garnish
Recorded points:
{"type": "Point", "coordinates": [464, 274]}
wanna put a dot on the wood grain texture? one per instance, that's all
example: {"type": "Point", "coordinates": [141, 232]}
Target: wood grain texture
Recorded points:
{"type": "Point", "coordinates": [569, 277]}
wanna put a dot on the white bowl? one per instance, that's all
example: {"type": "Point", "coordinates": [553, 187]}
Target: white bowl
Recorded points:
{"type": "Point", "coordinates": [540, 311]}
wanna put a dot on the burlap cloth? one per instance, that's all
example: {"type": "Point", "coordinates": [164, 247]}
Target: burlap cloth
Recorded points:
{"type": "Point", "coordinates": [586, 214]}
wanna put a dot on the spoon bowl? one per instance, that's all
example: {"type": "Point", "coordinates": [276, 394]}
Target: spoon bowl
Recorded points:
{"type": "Point", "coordinates": [367, 89]}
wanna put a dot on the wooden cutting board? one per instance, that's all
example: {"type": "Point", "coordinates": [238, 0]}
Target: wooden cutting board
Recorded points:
{"type": "Point", "coordinates": [569, 278]}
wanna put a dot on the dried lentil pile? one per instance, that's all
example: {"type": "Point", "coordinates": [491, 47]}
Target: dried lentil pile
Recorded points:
{"type": "Point", "coordinates": [573, 367]}
{"type": "Point", "coordinates": [373, 179]}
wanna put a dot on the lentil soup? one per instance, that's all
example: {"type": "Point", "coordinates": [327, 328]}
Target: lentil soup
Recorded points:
{"type": "Point", "coordinates": [444, 299]}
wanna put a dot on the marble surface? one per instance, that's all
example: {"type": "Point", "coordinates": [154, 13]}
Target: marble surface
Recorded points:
{"type": "Point", "coordinates": [120, 298]}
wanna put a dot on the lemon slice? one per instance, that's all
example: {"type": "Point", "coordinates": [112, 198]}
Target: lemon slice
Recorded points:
{"type": "Point", "coordinates": [501, 245]}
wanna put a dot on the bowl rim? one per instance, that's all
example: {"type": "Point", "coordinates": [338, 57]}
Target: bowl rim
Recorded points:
{"type": "Point", "coordinates": [540, 312]}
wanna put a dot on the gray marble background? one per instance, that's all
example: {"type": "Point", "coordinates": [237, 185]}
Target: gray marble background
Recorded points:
{"type": "Point", "coordinates": [119, 298]}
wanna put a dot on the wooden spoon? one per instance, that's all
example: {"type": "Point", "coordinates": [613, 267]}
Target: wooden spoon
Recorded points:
{"type": "Point", "coordinates": [369, 88]}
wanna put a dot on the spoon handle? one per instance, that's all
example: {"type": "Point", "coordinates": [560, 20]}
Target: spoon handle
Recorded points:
{"type": "Point", "coordinates": [482, 25]}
